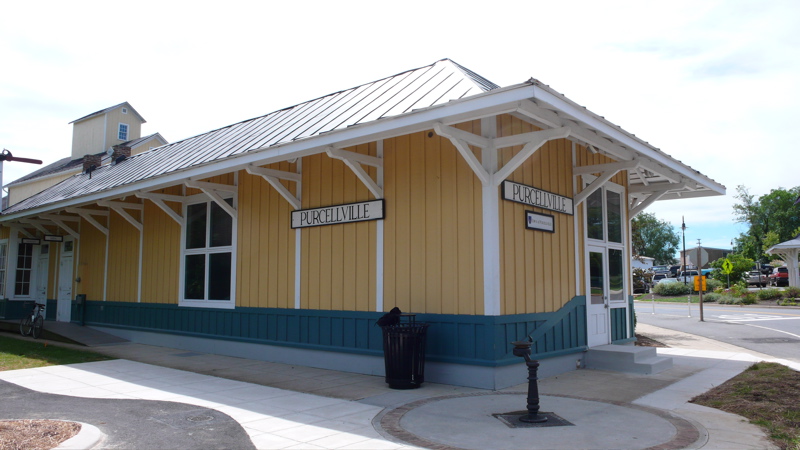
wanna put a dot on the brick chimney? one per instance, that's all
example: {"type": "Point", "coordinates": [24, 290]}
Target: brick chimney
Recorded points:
{"type": "Point", "coordinates": [91, 160]}
{"type": "Point", "coordinates": [120, 150]}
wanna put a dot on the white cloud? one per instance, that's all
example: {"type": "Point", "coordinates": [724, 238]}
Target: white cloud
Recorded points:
{"type": "Point", "coordinates": [712, 83]}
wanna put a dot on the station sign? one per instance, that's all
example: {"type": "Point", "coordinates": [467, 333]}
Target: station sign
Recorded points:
{"type": "Point", "coordinates": [532, 196]}
{"type": "Point", "coordinates": [333, 215]}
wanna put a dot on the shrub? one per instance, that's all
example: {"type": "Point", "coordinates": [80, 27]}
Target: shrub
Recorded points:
{"type": "Point", "coordinates": [792, 292]}
{"type": "Point", "coordinates": [769, 294]}
{"type": "Point", "coordinates": [712, 284]}
{"type": "Point", "coordinates": [671, 289]}
{"type": "Point", "coordinates": [728, 300]}
{"type": "Point", "coordinates": [749, 299]}
{"type": "Point", "coordinates": [712, 297]}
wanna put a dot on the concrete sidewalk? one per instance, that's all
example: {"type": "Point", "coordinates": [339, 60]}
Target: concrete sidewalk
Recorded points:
{"type": "Point", "coordinates": [284, 406]}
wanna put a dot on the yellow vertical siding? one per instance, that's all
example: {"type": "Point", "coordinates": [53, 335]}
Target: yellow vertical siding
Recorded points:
{"type": "Point", "coordinates": [266, 250]}
{"type": "Point", "coordinates": [537, 268]}
{"type": "Point", "coordinates": [337, 265]}
{"type": "Point", "coordinates": [161, 253]}
{"type": "Point", "coordinates": [91, 259]}
{"type": "Point", "coordinates": [123, 258]}
{"type": "Point", "coordinates": [433, 254]}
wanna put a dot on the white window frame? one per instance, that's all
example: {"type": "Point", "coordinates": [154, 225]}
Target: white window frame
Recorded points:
{"type": "Point", "coordinates": [32, 279]}
{"type": "Point", "coordinates": [127, 131]}
{"type": "Point", "coordinates": [206, 303]}
{"type": "Point", "coordinates": [3, 267]}
{"type": "Point", "coordinates": [605, 243]}
{"type": "Point", "coordinates": [124, 110]}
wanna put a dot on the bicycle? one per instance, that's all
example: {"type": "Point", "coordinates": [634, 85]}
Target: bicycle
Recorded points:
{"type": "Point", "coordinates": [33, 323]}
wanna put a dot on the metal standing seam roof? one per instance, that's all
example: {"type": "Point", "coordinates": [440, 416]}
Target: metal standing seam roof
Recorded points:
{"type": "Point", "coordinates": [431, 85]}
{"type": "Point", "coordinates": [417, 89]}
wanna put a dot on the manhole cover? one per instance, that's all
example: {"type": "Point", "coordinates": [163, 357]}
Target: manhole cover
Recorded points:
{"type": "Point", "coordinates": [199, 418]}
{"type": "Point", "coordinates": [553, 420]}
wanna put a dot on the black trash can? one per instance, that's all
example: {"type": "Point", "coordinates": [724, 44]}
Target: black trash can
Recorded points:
{"type": "Point", "coordinates": [404, 354]}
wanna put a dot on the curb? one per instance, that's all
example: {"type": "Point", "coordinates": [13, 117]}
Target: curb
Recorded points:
{"type": "Point", "coordinates": [87, 438]}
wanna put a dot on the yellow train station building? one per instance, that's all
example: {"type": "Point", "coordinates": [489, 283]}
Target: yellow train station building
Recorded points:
{"type": "Point", "coordinates": [494, 214]}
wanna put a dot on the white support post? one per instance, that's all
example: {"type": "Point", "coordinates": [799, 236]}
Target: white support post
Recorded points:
{"type": "Point", "coordinates": [487, 171]}
{"type": "Point", "coordinates": [379, 244]}
{"type": "Point", "coordinates": [298, 233]}
{"type": "Point", "coordinates": [491, 224]}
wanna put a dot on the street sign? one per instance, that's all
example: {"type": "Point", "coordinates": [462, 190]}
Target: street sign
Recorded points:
{"type": "Point", "coordinates": [727, 266]}
{"type": "Point", "coordinates": [697, 283]}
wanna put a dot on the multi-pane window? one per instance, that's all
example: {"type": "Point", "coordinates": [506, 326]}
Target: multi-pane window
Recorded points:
{"type": "Point", "coordinates": [22, 282]}
{"type": "Point", "coordinates": [122, 133]}
{"type": "Point", "coordinates": [208, 254]}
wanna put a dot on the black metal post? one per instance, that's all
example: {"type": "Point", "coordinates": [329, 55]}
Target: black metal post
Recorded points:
{"type": "Point", "coordinates": [683, 260]}
{"type": "Point", "coordinates": [523, 349]}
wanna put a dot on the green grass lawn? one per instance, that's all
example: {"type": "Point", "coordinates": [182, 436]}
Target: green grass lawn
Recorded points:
{"type": "Point", "coordinates": [767, 394]}
{"type": "Point", "coordinates": [23, 354]}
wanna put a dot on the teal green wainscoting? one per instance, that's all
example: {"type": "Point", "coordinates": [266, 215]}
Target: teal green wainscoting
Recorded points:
{"type": "Point", "coordinates": [621, 322]}
{"type": "Point", "coordinates": [463, 339]}
{"type": "Point", "coordinates": [15, 309]}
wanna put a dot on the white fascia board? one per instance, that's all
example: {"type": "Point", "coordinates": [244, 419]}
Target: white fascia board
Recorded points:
{"type": "Point", "coordinates": [493, 102]}
{"type": "Point", "coordinates": [557, 101]}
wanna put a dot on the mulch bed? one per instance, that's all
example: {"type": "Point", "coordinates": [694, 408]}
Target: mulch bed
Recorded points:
{"type": "Point", "coordinates": [35, 434]}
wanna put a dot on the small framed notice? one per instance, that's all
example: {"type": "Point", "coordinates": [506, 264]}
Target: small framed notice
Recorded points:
{"type": "Point", "coordinates": [540, 222]}
{"type": "Point", "coordinates": [31, 241]}
{"type": "Point", "coordinates": [53, 238]}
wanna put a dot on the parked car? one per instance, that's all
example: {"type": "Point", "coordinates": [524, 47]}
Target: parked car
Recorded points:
{"type": "Point", "coordinates": [688, 276]}
{"type": "Point", "coordinates": [779, 277]}
{"type": "Point", "coordinates": [667, 280]}
{"type": "Point", "coordinates": [755, 277]}
{"type": "Point", "coordinates": [660, 276]}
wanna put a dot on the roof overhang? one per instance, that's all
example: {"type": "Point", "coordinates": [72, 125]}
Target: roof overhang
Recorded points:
{"type": "Point", "coordinates": [655, 173]}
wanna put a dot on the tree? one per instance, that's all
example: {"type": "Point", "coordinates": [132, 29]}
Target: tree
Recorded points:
{"type": "Point", "coordinates": [772, 218]}
{"type": "Point", "coordinates": [741, 266]}
{"type": "Point", "coordinates": [654, 238]}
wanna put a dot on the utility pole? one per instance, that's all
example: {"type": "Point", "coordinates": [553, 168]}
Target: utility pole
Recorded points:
{"type": "Point", "coordinates": [700, 277]}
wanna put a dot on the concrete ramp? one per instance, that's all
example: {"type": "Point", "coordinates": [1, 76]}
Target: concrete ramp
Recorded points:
{"type": "Point", "coordinates": [80, 334]}
{"type": "Point", "coordinates": [68, 332]}
{"type": "Point", "coordinates": [627, 358]}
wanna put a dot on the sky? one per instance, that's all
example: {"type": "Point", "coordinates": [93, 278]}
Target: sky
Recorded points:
{"type": "Point", "coordinates": [713, 84]}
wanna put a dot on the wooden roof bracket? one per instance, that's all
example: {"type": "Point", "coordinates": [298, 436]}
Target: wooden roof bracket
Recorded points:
{"type": "Point", "coordinates": [355, 161]}
{"type": "Point", "coordinates": [212, 190]}
{"type": "Point", "coordinates": [273, 177]}
{"type": "Point", "coordinates": [61, 222]}
{"type": "Point", "coordinates": [606, 171]}
{"type": "Point", "coordinates": [38, 224]}
{"type": "Point", "coordinates": [159, 199]}
{"type": "Point", "coordinates": [87, 214]}
{"type": "Point", "coordinates": [654, 195]}
{"type": "Point", "coordinates": [120, 207]}
{"type": "Point", "coordinates": [531, 143]}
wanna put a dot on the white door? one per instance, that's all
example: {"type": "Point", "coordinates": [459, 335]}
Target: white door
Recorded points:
{"type": "Point", "coordinates": [64, 307]}
{"type": "Point", "coordinates": [597, 312]}
{"type": "Point", "coordinates": [42, 266]}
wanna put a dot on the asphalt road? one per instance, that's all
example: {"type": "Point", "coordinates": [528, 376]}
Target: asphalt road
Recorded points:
{"type": "Point", "coordinates": [773, 331]}
{"type": "Point", "coordinates": [130, 424]}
